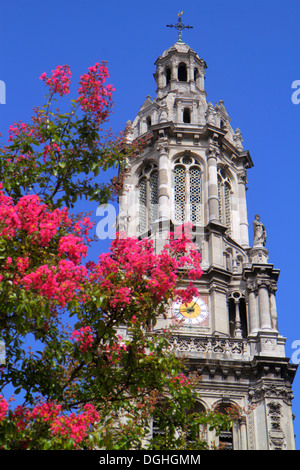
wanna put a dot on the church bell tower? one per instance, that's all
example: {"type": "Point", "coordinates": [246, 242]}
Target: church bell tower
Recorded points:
{"type": "Point", "coordinates": [194, 169]}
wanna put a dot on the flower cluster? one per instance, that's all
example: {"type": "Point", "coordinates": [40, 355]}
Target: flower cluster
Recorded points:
{"type": "Point", "coordinates": [59, 81]}
{"type": "Point", "coordinates": [40, 224]}
{"type": "Point", "coordinates": [3, 408]}
{"type": "Point", "coordinates": [65, 426]}
{"type": "Point", "coordinates": [94, 96]}
{"type": "Point", "coordinates": [84, 337]}
{"type": "Point", "coordinates": [59, 283]}
{"type": "Point", "coordinates": [31, 216]}
{"type": "Point", "coordinates": [19, 129]}
{"type": "Point", "coordinates": [22, 264]}
{"type": "Point", "coordinates": [52, 149]}
{"type": "Point", "coordinates": [181, 379]}
{"type": "Point", "coordinates": [61, 276]}
{"type": "Point", "coordinates": [75, 426]}
{"type": "Point", "coordinates": [45, 411]}
{"type": "Point", "coordinates": [132, 265]}
{"type": "Point", "coordinates": [73, 247]}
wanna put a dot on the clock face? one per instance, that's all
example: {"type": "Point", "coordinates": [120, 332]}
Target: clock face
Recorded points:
{"type": "Point", "coordinates": [192, 313]}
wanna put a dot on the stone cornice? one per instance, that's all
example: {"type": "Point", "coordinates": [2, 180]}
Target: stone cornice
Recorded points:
{"type": "Point", "coordinates": [205, 132]}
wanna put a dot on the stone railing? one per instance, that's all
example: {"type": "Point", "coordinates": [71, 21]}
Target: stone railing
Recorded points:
{"type": "Point", "coordinates": [210, 346]}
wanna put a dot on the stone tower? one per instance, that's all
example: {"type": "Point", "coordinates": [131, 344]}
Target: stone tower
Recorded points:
{"type": "Point", "coordinates": [194, 168]}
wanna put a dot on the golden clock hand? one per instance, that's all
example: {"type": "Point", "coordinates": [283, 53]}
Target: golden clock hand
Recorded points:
{"type": "Point", "coordinates": [194, 303]}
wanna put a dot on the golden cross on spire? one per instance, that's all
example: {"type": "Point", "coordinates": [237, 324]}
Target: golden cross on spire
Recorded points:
{"type": "Point", "coordinates": [179, 26]}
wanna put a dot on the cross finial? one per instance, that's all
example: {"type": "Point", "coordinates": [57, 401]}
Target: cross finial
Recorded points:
{"type": "Point", "coordinates": [180, 26]}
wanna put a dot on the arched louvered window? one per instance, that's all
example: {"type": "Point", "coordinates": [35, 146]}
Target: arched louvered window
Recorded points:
{"type": "Point", "coordinates": [224, 195]}
{"type": "Point", "coordinates": [195, 194]}
{"type": "Point", "coordinates": [226, 438]}
{"type": "Point", "coordinates": [187, 190]}
{"type": "Point", "coordinates": [153, 184]}
{"type": "Point", "coordinates": [148, 197]}
{"type": "Point", "coordinates": [143, 205]}
{"type": "Point", "coordinates": [179, 192]}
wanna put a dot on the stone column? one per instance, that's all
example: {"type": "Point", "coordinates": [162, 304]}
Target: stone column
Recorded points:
{"type": "Point", "coordinates": [161, 227]}
{"type": "Point", "coordinates": [244, 234]}
{"type": "Point", "coordinates": [243, 434]}
{"type": "Point", "coordinates": [237, 320]}
{"type": "Point", "coordinates": [174, 73]}
{"type": "Point", "coordinates": [273, 308]}
{"type": "Point", "coordinates": [213, 200]}
{"type": "Point", "coordinates": [163, 180]}
{"type": "Point", "coordinates": [252, 308]}
{"type": "Point", "coordinates": [160, 77]}
{"type": "Point", "coordinates": [264, 305]}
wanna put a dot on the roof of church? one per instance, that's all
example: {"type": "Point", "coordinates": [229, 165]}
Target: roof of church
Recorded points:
{"type": "Point", "coordinates": [179, 47]}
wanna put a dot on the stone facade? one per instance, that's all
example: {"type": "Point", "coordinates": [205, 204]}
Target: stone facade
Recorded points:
{"type": "Point", "coordinates": [194, 168]}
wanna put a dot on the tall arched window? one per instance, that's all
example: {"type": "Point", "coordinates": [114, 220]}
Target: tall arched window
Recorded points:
{"type": "Point", "coordinates": [197, 432]}
{"type": "Point", "coordinates": [225, 437]}
{"type": "Point", "coordinates": [161, 419]}
{"type": "Point", "coordinates": [186, 115]}
{"type": "Point", "coordinates": [224, 194]}
{"type": "Point", "coordinates": [148, 196]}
{"type": "Point", "coordinates": [168, 75]}
{"type": "Point", "coordinates": [182, 72]}
{"type": "Point", "coordinates": [187, 190]}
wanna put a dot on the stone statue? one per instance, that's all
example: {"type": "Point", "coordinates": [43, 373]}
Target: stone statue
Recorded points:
{"type": "Point", "coordinates": [238, 139]}
{"type": "Point", "coordinates": [210, 114]}
{"type": "Point", "coordinates": [260, 234]}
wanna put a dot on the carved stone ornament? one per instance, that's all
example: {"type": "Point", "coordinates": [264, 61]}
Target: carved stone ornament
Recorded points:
{"type": "Point", "coordinates": [209, 345]}
{"type": "Point", "coordinates": [276, 435]}
{"type": "Point", "coordinates": [259, 255]}
{"type": "Point", "coordinates": [252, 286]}
{"type": "Point", "coordinates": [213, 151]}
{"type": "Point", "coordinates": [163, 116]}
{"type": "Point", "coordinates": [270, 390]}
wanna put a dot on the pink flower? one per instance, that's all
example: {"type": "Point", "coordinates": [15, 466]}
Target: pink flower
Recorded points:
{"type": "Point", "coordinates": [3, 408]}
{"type": "Point", "coordinates": [72, 247]}
{"type": "Point", "coordinates": [94, 96]}
{"type": "Point", "coordinates": [59, 80]}
{"type": "Point", "coordinates": [74, 426]}
{"type": "Point", "coordinates": [85, 337]}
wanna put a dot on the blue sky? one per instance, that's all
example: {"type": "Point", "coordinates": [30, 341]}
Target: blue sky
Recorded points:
{"type": "Point", "coordinates": [252, 52]}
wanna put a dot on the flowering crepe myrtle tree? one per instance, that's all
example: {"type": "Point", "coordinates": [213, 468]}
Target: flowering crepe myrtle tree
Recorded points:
{"type": "Point", "coordinates": [59, 155]}
{"type": "Point", "coordinates": [90, 385]}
